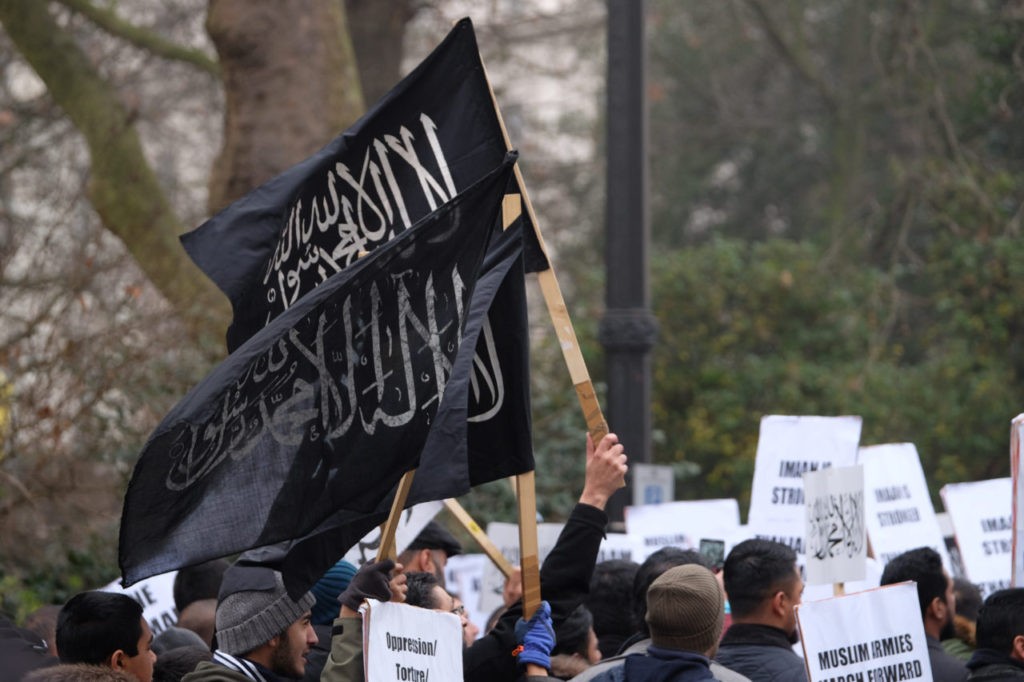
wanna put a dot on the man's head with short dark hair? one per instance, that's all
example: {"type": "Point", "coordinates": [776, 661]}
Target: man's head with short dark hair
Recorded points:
{"type": "Point", "coordinates": [106, 628]}
{"type": "Point", "coordinates": [426, 592]}
{"type": "Point", "coordinates": [651, 569]}
{"type": "Point", "coordinates": [1001, 623]}
{"type": "Point", "coordinates": [763, 584]}
{"type": "Point", "coordinates": [610, 601]}
{"type": "Point", "coordinates": [934, 588]}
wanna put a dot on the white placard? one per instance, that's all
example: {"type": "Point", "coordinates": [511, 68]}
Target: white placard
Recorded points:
{"type": "Point", "coordinates": [506, 537]}
{"type": "Point", "coordinates": [683, 524]}
{"type": "Point", "coordinates": [981, 515]}
{"type": "Point", "coordinates": [899, 511]}
{"type": "Point", "coordinates": [871, 636]}
{"type": "Point", "coordinates": [413, 520]}
{"type": "Point", "coordinates": [410, 644]}
{"type": "Point", "coordinates": [787, 447]}
{"type": "Point", "coordinates": [622, 546]}
{"type": "Point", "coordinates": [1017, 563]}
{"type": "Point", "coordinates": [836, 539]}
{"type": "Point", "coordinates": [464, 576]}
{"type": "Point", "coordinates": [156, 595]}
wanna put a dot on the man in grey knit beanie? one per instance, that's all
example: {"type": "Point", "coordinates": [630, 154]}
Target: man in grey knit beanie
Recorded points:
{"type": "Point", "coordinates": [262, 634]}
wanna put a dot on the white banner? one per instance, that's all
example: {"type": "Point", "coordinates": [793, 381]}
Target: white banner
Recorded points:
{"type": "Point", "coordinates": [506, 537]}
{"type": "Point", "coordinates": [871, 636]}
{"type": "Point", "coordinates": [156, 595]}
{"type": "Point", "coordinates": [836, 539]}
{"type": "Point", "coordinates": [900, 515]}
{"type": "Point", "coordinates": [683, 524]}
{"type": "Point", "coordinates": [1017, 563]}
{"type": "Point", "coordinates": [403, 643]}
{"type": "Point", "coordinates": [624, 546]}
{"type": "Point", "coordinates": [981, 514]}
{"type": "Point", "coordinates": [413, 520]}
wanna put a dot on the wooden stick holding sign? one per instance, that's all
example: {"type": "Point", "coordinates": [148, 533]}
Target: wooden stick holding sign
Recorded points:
{"type": "Point", "coordinates": [388, 529]}
{"type": "Point", "coordinates": [486, 544]}
{"type": "Point", "coordinates": [528, 551]}
{"type": "Point", "coordinates": [596, 424]}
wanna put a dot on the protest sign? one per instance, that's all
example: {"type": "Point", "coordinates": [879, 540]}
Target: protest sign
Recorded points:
{"type": "Point", "coordinates": [622, 546]}
{"type": "Point", "coordinates": [156, 595]}
{"type": "Point", "coordinates": [405, 643]}
{"type": "Point", "coordinates": [412, 521]}
{"type": "Point", "coordinates": [836, 540]}
{"type": "Point", "coordinates": [981, 515]}
{"type": "Point", "coordinates": [506, 537]}
{"type": "Point", "coordinates": [899, 511]}
{"type": "Point", "coordinates": [787, 447]}
{"type": "Point", "coordinates": [683, 524]}
{"type": "Point", "coordinates": [871, 636]}
{"type": "Point", "coordinates": [1017, 564]}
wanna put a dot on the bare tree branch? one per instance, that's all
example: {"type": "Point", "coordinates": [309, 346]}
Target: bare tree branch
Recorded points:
{"type": "Point", "coordinates": [123, 187]}
{"type": "Point", "coordinates": [108, 20]}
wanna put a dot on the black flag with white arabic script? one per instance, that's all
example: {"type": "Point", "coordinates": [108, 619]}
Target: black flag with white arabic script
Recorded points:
{"type": "Point", "coordinates": [310, 424]}
{"type": "Point", "coordinates": [431, 136]}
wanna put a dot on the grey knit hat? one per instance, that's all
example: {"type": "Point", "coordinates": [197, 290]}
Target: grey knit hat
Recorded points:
{"type": "Point", "coordinates": [685, 610]}
{"type": "Point", "coordinates": [253, 607]}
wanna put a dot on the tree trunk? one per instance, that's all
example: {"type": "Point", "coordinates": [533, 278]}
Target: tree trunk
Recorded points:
{"type": "Point", "coordinates": [290, 83]}
{"type": "Point", "coordinates": [378, 35]}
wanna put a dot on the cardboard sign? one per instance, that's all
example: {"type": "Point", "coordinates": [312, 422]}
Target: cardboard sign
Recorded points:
{"type": "Point", "coordinates": [836, 539]}
{"type": "Point", "coordinates": [413, 520]}
{"type": "Point", "coordinates": [156, 595]}
{"type": "Point", "coordinates": [409, 644]}
{"type": "Point", "coordinates": [506, 537]}
{"type": "Point", "coordinates": [899, 511]}
{"type": "Point", "coordinates": [1017, 563]}
{"type": "Point", "coordinates": [683, 524]}
{"type": "Point", "coordinates": [871, 636]}
{"type": "Point", "coordinates": [981, 514]}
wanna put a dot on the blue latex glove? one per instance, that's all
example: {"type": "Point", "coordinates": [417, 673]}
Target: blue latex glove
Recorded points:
{"type": "Point", "coordinates": [537, 637]}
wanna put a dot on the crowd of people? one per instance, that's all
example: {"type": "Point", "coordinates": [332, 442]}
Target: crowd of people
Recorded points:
{"type": "Point", "coordinates": [673, 617]}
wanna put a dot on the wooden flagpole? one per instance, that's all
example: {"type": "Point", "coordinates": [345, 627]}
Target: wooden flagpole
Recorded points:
{"type": "Point", "coordinates": [387, 530]}
{"type": "Point", "coordinates": [528, 550]}
{"type": "Point", "coordinates": [596, 424]}
{"type": "Point", "coordinates": [486, 544]}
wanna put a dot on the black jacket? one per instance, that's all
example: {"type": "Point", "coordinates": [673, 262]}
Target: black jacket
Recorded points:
{"type": "Point", "coordinates": [660, 665]}
{"type": "Point", "coordinates": [564, 582]}
{"type": "Point", "coordinates": [760, 652]}
{"type": "Point", "coordinates": [987, 665]}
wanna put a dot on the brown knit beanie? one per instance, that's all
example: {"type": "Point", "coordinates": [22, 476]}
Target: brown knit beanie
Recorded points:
{"type": "Point", "coordinates": [685, 610]}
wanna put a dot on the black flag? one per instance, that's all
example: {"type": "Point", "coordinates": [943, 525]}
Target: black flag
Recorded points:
{"type": "Point", "coordinates": [430, 137]}
{"type": "Point", "coordinates": [306, 428]}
